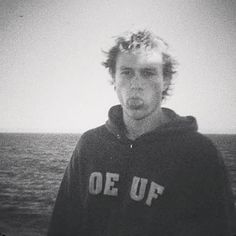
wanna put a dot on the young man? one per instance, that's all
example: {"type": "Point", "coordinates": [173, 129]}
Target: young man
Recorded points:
{"type": "Point", "coordinates": [147, 171]}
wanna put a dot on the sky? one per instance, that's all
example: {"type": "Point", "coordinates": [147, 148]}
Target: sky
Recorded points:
{"type": "Point", "coordinates": [52, 80]}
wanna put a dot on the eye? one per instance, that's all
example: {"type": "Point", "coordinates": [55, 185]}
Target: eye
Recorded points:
{"type": "Point", "coordinates": [148, 73]}
{"type": "Point", "coordinates": [126, 73]}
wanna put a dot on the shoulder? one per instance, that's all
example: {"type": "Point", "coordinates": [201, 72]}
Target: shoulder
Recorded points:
{"type": "Point", "coordinates": [200, 149]}
{"type": "Point", "coordinates": [202, 160]}
{"type": "Point", "coordinates": [195, 141]}
{"type": "Point", "coordinates": [92, 137]}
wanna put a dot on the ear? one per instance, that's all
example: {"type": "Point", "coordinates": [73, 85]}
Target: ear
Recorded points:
{"type": "Point", "coordinates": [166, 83]}
{"type": "Point", "coordinates": [113, 82]}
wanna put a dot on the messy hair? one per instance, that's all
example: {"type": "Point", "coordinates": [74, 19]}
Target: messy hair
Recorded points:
{"type": "Point", "coordinates": [145, 39]}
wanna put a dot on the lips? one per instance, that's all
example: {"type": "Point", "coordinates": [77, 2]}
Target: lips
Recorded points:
{"type": "Point", "coordinates": [135, 103]}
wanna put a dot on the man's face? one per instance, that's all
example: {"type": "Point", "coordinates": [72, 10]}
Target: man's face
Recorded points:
{"type": "Point", "coordinates": [139, 82]}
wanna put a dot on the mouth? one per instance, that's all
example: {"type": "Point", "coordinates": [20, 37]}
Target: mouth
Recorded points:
{"type": "Point", "coordinates": [135, 103]}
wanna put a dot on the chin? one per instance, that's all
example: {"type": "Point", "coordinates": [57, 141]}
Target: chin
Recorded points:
{"type": "Point", "coordinates": [136, 114]}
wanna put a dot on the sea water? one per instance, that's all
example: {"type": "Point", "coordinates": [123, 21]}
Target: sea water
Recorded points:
{"type": "Point", "coordinates": [31, 169]}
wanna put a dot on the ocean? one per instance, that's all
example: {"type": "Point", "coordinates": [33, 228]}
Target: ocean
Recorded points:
{"type": "Point", "coordinates": [31, 169]}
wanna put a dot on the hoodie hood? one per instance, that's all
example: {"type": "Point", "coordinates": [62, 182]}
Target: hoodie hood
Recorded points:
{"type": "Point", "coordinates": [176, 123]}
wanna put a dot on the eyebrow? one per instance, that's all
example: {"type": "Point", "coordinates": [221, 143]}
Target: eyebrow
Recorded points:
{"type": "Point", "coordinates": [149, 69]}
{"type": "Point", "coordinates": [144, 68]}
{"type": "Point", "coordinates": [125, 68]}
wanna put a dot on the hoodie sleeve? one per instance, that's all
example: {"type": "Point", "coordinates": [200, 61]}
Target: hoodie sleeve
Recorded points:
{"type": "Point", "coordinates": [214, 210]}
{"type": "Point", "coordinates": [67, 214]}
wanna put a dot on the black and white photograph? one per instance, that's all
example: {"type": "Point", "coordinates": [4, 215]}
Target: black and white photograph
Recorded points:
{"type": "Point", "coordinates": [117, 118]}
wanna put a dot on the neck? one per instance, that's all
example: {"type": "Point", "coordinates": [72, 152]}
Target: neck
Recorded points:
{"type": "Point", "coordinates": [135, 128]}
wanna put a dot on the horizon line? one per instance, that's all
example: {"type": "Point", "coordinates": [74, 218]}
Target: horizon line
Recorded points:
{"type": "Point", "coordinates": [81, 132]}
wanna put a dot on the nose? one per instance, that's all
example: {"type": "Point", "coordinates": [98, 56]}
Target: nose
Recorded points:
{"type": "Point", "coordinates": [136, 81]}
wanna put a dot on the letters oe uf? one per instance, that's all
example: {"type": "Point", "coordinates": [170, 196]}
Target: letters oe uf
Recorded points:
{"type": "Point", "coordinates": [137, 190]}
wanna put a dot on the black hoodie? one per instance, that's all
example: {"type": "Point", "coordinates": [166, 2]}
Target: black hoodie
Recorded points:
{"type": "Point", "coordinates": [170, 181]}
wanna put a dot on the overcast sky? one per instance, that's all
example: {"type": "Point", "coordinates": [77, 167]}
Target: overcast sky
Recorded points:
{"type": "Point", "coordinates": [51, 78]}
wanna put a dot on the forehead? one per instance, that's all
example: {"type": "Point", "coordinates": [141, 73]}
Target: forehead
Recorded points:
{"type": "Point", "coordinates": [139, 58]}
